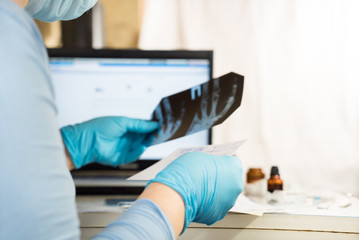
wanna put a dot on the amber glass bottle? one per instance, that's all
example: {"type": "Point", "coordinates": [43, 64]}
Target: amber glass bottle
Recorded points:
{"type": "Point", "coordinates": [274, 182]}
{"type": "Point", "coordinates": [254, 174]}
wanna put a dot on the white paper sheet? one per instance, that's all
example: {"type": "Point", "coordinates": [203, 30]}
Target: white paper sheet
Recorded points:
{"type": "Point", "coordinates": [247, 206]}
{"type": "Point", "coordinates": [220, 150]}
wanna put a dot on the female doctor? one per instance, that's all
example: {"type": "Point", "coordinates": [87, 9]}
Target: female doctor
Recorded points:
{"type": "Point", "coordinates": [37, 194]}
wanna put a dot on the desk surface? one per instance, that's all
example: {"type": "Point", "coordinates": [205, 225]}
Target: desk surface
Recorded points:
{"type": "Point", "coordinates": [94, 215]}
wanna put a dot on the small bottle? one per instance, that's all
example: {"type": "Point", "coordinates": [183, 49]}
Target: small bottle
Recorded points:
{"type": "Point", "coordinates": [256, 183]}
{"type": "Point", "coordinates": [254, 174]}
{"type": "Point", "coordinates": [274, 182]}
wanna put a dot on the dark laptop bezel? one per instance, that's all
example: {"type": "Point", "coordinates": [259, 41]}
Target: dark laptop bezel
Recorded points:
{"type": "Point", "coordinates": [133, 53]}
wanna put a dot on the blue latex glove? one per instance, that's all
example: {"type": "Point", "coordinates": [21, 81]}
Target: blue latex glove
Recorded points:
{"type": "Point", "coordinates": [208, 184]}
{"type": "Point", "coordinates": [108, 140]}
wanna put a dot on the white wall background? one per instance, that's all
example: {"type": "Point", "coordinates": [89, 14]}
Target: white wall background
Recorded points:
{"type": "Point", "coordinates": [300, 59]}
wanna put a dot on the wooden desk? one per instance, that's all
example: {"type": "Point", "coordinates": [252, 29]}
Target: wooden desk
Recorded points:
{"type": "Point", "coordinates": [238, 226]}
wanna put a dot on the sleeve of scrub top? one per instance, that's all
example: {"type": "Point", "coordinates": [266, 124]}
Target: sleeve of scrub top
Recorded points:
{"type": "Point", "coordinates": [144, 220]}
{"type": "Point", "coordinates": [37, 195]}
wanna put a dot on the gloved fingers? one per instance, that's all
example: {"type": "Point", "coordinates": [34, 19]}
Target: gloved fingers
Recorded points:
{"type": "Point", "coordinates": [120, 155]}
{"type": "Point", "coordinates": [116, 155]}
{"type": "Point", "coordinates": [128, 149]}
{"type": "Point", "coordinates": [232, 174]}
{"type": "Point", "coordinates": [137, 147]}
{"type": "Point", "coordinates": [141, 126]}
{"type": "Point", "coordinates": [229, 183]}
{"type": "Point", "coordinates": [136, 153]}
{"type": "Point", "coordinates": [150, 137]}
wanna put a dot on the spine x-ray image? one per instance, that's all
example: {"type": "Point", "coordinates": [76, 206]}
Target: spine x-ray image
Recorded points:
{"type": "Point", "coordinates": [198, 108]}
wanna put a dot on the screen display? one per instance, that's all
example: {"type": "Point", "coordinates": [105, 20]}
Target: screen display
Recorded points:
{"type": "Point", "coordinates": [89, 87]}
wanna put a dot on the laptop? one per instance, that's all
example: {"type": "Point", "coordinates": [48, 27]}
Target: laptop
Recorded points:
{"type": "Point", "coordinates": [94, 83]}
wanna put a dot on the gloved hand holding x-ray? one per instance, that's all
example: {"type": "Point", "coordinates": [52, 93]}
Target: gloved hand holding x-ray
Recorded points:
{"type": "Point", "coordinates": [198, 108]}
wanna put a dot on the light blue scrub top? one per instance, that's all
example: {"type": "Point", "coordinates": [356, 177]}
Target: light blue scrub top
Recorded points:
{"type": "Point", "coordinates": [37, 194]}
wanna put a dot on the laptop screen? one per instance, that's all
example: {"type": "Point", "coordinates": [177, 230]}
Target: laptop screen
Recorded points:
{"type": "Point", "coordinates": [95, 83]}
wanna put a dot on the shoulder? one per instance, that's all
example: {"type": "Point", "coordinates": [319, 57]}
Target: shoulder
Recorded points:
{"type": "Point", "coordinates": [13, 15]}
{"type": "Point", "coordinates": [17, 27]}
{"type": "Point", "coordinates": [23, 53]}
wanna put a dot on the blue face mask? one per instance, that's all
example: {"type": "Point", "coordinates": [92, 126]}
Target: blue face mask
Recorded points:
{"type": "Point", "coordinates": [53, 10]}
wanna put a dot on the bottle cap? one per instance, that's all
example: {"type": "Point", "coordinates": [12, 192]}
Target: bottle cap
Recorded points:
{"type": "Point", "coordinates": [274, 171]}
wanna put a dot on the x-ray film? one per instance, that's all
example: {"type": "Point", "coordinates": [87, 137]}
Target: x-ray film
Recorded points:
{"type": "Point", "coordinates": [198, 108]}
